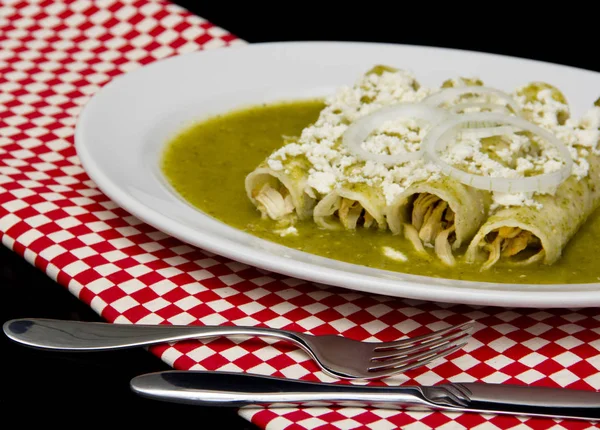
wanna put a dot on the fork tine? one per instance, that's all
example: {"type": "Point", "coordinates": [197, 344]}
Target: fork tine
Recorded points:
{"type": "Point", "coordinates": [419, 363]}
{"type": "Point", "coordinates": [420, 357]}
{"type": "Point", "coordinates": [407, 343]}
{"type": "Point", "coordinates": [388, 354]}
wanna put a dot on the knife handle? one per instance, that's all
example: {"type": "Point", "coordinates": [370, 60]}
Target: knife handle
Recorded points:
{"type": "Point", "coordinates": [519, 399]}
{"type": "Point", "coordinates": [238, 389]}
{"type": "Point", "coordinates": [245, 390]}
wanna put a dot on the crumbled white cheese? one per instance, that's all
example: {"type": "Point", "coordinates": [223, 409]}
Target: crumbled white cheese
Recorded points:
{"type": "Point", "coordinates": [545, 109]}
{"type": "Point", "coordinates": [394, 254]}
{"type": "Point", "coordinates": [275, 164]}
{"type": "Point", "coordinates": [552, 166]}
{"type": "Point", "coordinates": [391, 190]}
{"type": "Point", "coordinates": [467, 153]}
{"type": "Point", "coordinates": [518, 142]}
{"type": "Point", "coordinates": [323, 182]}
{"type": "Point", "coordinates": [396, 137]}
{"type": "Point", "coordinates": [461, 151]}
{"type": "Point", "coordinates": [524, 165]}
{"type": "Point", "coordinates": [581, 167]}
{"type": "Point", "coordinates": [287, 231]}
{"type": "Point", "coordinates": [587, 138]}
{"type": "Point", "coordinates": [591, 119]}
{"type": "Point", "coordinates": [513, 199]}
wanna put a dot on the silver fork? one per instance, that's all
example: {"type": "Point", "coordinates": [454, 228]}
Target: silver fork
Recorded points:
{"type": "Point", "coordinates": [338, 356]}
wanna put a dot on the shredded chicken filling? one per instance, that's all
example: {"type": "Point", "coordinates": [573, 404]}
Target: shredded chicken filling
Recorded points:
{"type": "Point", "coordinates": [351, 214]}
{"type": "Point", "coordinates": [521, 246]}
{"type": "Point", "coordinates": [432, 224]}
{"type": "Point", "coordinates": [274, 203]}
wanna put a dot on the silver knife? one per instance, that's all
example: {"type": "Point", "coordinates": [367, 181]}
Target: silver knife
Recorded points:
{"type": "Point", "coordinates": [245, 390]}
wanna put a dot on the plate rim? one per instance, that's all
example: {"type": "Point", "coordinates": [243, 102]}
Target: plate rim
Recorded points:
{"type": "Point", "coordinates": [328, 276]}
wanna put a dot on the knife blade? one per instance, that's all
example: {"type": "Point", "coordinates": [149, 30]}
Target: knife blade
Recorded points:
{"type": "Point", "coordinates": [232, 389]}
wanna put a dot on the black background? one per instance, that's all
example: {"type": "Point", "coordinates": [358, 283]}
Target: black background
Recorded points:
{"type": "Point", "coordinates": [54, 385]}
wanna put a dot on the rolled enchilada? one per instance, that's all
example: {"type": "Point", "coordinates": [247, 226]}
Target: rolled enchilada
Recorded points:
{"type": "Point", "coordinates": [351, 206]}
{"type": "Point", "coordinates": [281, 193]}
{"type": "Point", "coordinates": [442, 214]}
{"type": "Point", "coordinates": [537, 229]}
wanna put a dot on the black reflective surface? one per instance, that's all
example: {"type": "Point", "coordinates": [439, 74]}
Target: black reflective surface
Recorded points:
{"type": "Point", "coordinates": [54, 384]}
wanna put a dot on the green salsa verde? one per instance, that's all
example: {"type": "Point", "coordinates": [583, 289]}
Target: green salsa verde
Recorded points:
{"type": "Point", "coordinates": [208, 162]}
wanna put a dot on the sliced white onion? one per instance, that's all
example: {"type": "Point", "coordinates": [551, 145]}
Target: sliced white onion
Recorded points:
{"type": "Point", "coordinates": [357, 132]}
{"type": "Point", "coordinates": [449, 94]}
{"type": "Point", "coordinates": [438, 138]}
{"type": "Point", "coordinates": [483, 132]}
{"type": "Point", "coordinates": [494, 107]}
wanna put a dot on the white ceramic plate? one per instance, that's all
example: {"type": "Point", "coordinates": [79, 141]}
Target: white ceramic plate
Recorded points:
{"type": "Point", "coordinates": [123, 129]}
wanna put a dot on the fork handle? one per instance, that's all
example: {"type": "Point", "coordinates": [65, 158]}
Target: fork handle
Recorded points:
{"type": "Point", "coordinates": [67, 335]}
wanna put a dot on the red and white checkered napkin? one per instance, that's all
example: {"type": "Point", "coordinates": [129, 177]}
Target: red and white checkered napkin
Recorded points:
{"type": "Point", "coordinates": [53, 56]}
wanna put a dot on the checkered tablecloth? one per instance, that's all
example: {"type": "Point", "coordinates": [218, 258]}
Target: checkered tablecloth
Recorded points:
{"type": "Point", "coordinates": [54, 55]}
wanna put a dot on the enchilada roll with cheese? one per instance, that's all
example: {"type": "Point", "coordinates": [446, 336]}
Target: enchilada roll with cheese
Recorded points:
{"type": "Point", "coordinates": [291, 181]}
{"type": "Point", "coordinates": [351, 206]}
{"type": "Point", "coordinates": [526, 229]}
{"type": "Point", "coordinates": [540, 231]}
{"type": "Point", "coordinates": [279, 192]}
{"type": "Point", "coordinates": [442, 214]}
